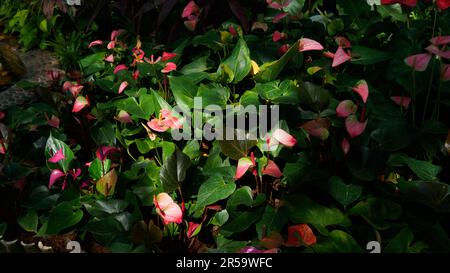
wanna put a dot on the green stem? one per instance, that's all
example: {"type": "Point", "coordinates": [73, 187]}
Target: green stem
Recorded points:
{"type": "Point", "coordinates": [428, 92]}
{"type": "Point", "coordinates": [437, 104]}
{"type": "Point", "coordinates": [414, 98]}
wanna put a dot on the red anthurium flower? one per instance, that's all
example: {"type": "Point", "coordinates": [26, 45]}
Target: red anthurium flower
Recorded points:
{"type": "Point", "coordinates": [343, 42]}
{"type": "Point", "coordinates": [122, 86]}
{"type": "Point", "coordinates": [345, 146]}
{"type": "Point", "coordinates": [55, 175]}
{"type": "Point", "coordinates": [232, 30]}
{"type": "Point", "coordinates": [111, 45]}
{"type": "Point", "coordinates": [151, 60]}
{"type": "Point", "coordinates": [53, 75]}
{"type": "Point", "coordinates": [277, 36]}
{"type": "Point", "coordinates": [109, 58]}
{"type": "Point", "coordinates": [283, 49]}
{"type": "Point", "coordinates": [443, 4]}
{"type": "Point", "coordinates": [284, 138]}
{"type": "Point", "coordinates": [85, 184]}
{"type": "Point", "coordinates": [94, 43]}
{"type": "Point", "coordinates": [328, 54]}
{"type": "Point", "coordinates": [136, 75]}
{"type": "Point", "coordinates": [119, 68]}
{"type": "Point", "coordinates": [66, 86]}
{"type": "Point", "coordinates": [123, 117]}
{"type": "Point", "coordinates": [309, 44]}
{"type": "Point", "coordinates": [346, 108]}
{"type": "Point", "coordinates": [116, 33]}
{"type": "Point", "coordinates": [103, 152]}
{"type": "Point", "coordinates": [243, 165]}
{"type": "Point", "coordinates": [279, 17]}
{"type": "Point", "coordinates": [409, 3]}
{"type": "Point", "coordinates": [418, 62]}
{"type": "Point", "coordinates": [193, 229]}
{"type": "Point", "coordinates": [354, 127]}
{"type": "Point", "coordinates": [401, 101]}
{"type": "Point", "coordinates": [75, 173]}
{"type": "Point", "coordinates": [189, 9]}
{"type": "Point", "coordinates": [435, 50]}
{"type": "Point", "coordinates": [169, 211]}
{"type": "Point", "coordinates": [58, 156]}
{"type": "Point", "coordinates": [340, 57]}
{"type": "Point", "coordinates": [167, 56]}
{"type": "Point", "coordinates": [440, 40]}
{"type": "Point", "coordinates": [3, 147]}
{"type": "Point", "coordinates": [445, 72]}
{"type": "Point", "coordinates": [362, 89]}
{"type": "Point", "coordinates": [300, 235]}
{"type": "Point", "coordinates": [75, 90]}
{"type": "Point", "coordinates": [54, 121]}
{"type": "Point", "coordinates": [79, 104]}
{"type": "Point", "coordinates": [169, 67]}
{"type": "Point", "coordinates": [272, 170]}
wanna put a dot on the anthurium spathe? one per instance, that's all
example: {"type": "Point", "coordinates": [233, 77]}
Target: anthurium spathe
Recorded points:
{"type": "Point", "coordinates": [409, 3]}
{"type": "Point", "coordinates": [445, 72]}
{"type": "Point", "coordinates": [440, 40]}
{"type": "Point", "coordinates": [123, 117]}
{"type": "Point", "coordinates": [306, 44]}
{"type": "Point", "coordinates": [354, 127]}
{"type": "Point", "coordinates": [104, 151]}
{"type": "Point", "coordinates": [418, 62]}
{"type": "Point", "coordinates": [168, 56]}
{"type": "Point", "coordinates": [443, 4]}
{"type": "Point", "coordinates": [272, 170]}
{"type": "Point", "coordinates": [340, 57]}
{"type": "Point", "coordinates": [438, 52]}
{"type": "Point", "coordinates": [120, 67]}
{"type": "Point", "coordinates": [169, 67]}
{"type": "Point", "coordinates": [274, 4]}
{"type": "Point", "coordinates": [95, 43]}
{"type": "Point", "coordinates": [169, 211]}
{"type": "Point", "coordinates": [318, 127]}
{"type": "Point", "coordinates": [345, 146]}
{"type": "Point", "coordinates": [342, 42]}
{"type": "Point", "coordinates": [165, 121]}
{"type": "Point", "coordinates": [243, 165]}
{"type": "Point", "coordinates": [299, 235]}
{"type": "Point", "coordinates": [122, 86]}
{"type": "Point", "coordinates": [109, 58]}
{"type": "Point", "coordinates": [283, 137]}
{"type": "Point", "coordinates": [362, 89]}
{"type": "Point", "coordinates": [54, 176]}
{"type": "Point", "coordinates": [345, 108]}
{"type": "Point", "coordinates": [401, 101]}
{"type": "Point", "coordinates": [193, 229]}
{"type": "Point", "coordinates": [79, 104]}
{"type": "Point", "coordinates": [277, 36]}
{"type": "Point", "coordinates": [58, 156]}
{"type": "Point", "coordinates": [189, 9]}
{"type": "Point", "coordinates": [54, 121]}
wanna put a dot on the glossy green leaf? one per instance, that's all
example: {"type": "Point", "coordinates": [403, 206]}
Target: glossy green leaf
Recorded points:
{"type": "Point", "coordinates": [213, 190]}
{"type": "Point", "coordinates": [173, 171]}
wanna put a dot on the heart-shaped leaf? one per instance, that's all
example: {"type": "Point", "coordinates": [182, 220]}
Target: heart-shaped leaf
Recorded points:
{"type": "Point", "coordinates": [343, 193]}
{"type": "Point", "coordinates": [173, 171]}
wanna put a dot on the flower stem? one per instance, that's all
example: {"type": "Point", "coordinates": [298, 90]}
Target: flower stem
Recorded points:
{"type": "Point", "coordinates": [428, 92]}
{"type": "Point", "coordinates": [414, 98]}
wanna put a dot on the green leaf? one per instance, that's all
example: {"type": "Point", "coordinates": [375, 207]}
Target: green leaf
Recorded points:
{"type": "Point", "coordinates": [273, 219]}
{"type": "Point", "coordinates": [103, 133]}
{"type": "Point", "coordinates": [377, 211]}
{"type": "Point", "coordinates": [344, 194]}
{"type": "Point", "coordinates": [173, 171]}
{"type": "Point", "coordinates": [98, 168]}
{"type": "Point", "coordinates": [235, 149]}
{"type": "Point", "coordinates": [338, 242]}
{"type": "Point", "coordinates": [52, 146]}
{"type": "Point", "coordinates": [29, 221]}
{"type": "Point", "coordinates": [93, 63]}
{"type": "Point", "coordinates": [423, 169]}
{"type": "Point", "coordinates": [393, 135]}
{"type": "Point", "coordinates": [270, 71]}
{"type": "Point", "coordinates": [143, 110]}
{"type": "Point", "coordinates": [314, 96]}
{"type": "Point", "coordinates": [213, 190]}
{"type": "Point", "coordinates": [192, 149]}
{"type": "Point", "coordinates": [106, 185]}
{"type": "Point", "coordinates": [365, 56]}
{"type": "Point", "coordinates": [249, 98]}
{"type": "Point", "coordinates": [242, 196]}
{"type": "Point", "coordinates": [393, 11]}
{"type": "Point", "coordinates": [220, 218]}
{"type": "Point", "coordinates": [303, 210]}
{"type": "Point", "coordinates": [63, 216]}
{"type": "Point", "coordinates": [239, 61]}
{"type": "Point", "coordinates": [199, 65]}
{"type": "Point", "coordinates": [184, 90]}
{"type": "Point", "coordinates": [242, 222]}
{"type": "Point", "coordinates": [401, 242]}
{"type": "Point", "coordinates": [103, 208]}
{"type": "Point", "coordinates": [213, 94]}
{"type": "Point", "coordinates": [280, 93]}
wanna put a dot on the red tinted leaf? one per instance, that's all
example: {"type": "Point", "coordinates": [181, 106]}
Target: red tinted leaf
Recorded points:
{"type": "Point", "coordinates": [75, 90]}
{"type": "Point", "coordinates": [340, 57]}
{"type": "Point", "coordinates": [418, 62]}
{"type": "Point", "coordinates": [354, 127]}
{"type": "Point", "coordinates": [346, 108]}
{"type": "Point", "coordinates": [191, 24]}
{"type": "Point", "coordinates": [318, 128]}
{"type": "Point", "coordinates": [362, 89]}
{"type": "Point", "coordinates": [193, 228]}
{"type": "Point", "coordinates": [123, 117]}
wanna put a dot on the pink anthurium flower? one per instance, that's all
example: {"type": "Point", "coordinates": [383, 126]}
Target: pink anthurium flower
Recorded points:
{"type": "Point", "coordinates": [277, 36]}
{"type": "Point", "coordinates": [169, 67]}
{"type": "Point", "coordinates": [243, 165]}
{"type": "Point", "coordinates": [362, 89]}
{"type": "Point", "coordinates": [418, 62]}
{"type": "Point", "coordinates": [169, 211]}
{"type": "Point", "coordinates": [58, 156]}
{"type": "Point", "coordinates": [76, 89]}
{"type": "Point", "coordinates": [340, 57]}
{"type": "Point", "coordinates": [79, 104]}
{"type": "Point", "coordinates": [302, 231]}
{"type": "Point", "coordinates": [193, 229]}
{"type": "Point", "coordinates": [328, 54]}
{"type": "Point", "coordinates": [104, 151]}
{"type": "Point", "coordinates": [272, 170]}
{"type": "Point", "coordinates": [111, 45]}
{"type": "Point", "coordinates": [440, 40]}
{"type": "Point", "coordinates": [158, 125]}
{"type": "Point", "coordinates": [122, 86]}
{"type": "Point", "coordinates": [95, 43]}
{"type": "Point", "coordinates": [191, 24]}
{"type": "Point", "coordinates": [279, 17]}
{"type": "Point", "coordinates": [401, 101]}
{"type": "Point", "coordinates": [109, 58]}
{"type": "Point", "coordinates": [309, 44]}
{"type": "Point", "coordinates": [354, 127]}
{"type": "Point", "coordinates": [75, 173]}
{"type": "Point", "coordinates": [116, 33]}
{"type": "Point", "coordinates": [120, 67]}
{"type": "Point", "coordinates": [346, 108]}
{"type": "Point", "coordinates": [66, 86]}
{"type": "Point", "coordinates": [409, 3]}
{"type": "Point", "coordinates": [3, 147]}
{"type": "Point", "coordinates": [345, 146]}
{"type": "Point", "coordinates": [435, 50]}
{"type": "Point", "coordinates": [189, 9]}
{"type": "Point", "coordinates": [283, 49]}
{"type": "Point", "coordinates": [445, 72]}
{"type": "Point", "coordinates": [53, 75]}
{"type": "Point", "coordinates": [151, 60]}
{"type": "Point", "coordinates": [343, 42]}
{"type": "Point", "coordinates": [123, 117]}
{"type": "Point", "coordinates": [252, 249]}
{"type": "Point", "coordinates": [167, 56]}
{"type": "Point", "coordinates": [55, 175]}
{"type": "Point", "coordinates": [54, 121]}
{"type": "Point", "coordinates": [284, 138]}
{"type": "Point", "coordinates": [443, 4]}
